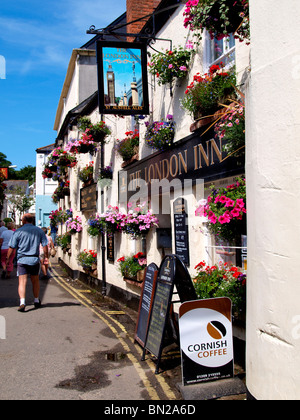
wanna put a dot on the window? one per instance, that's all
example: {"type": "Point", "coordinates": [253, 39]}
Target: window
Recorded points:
{"type": "Point", "coordinates": [216, 51]}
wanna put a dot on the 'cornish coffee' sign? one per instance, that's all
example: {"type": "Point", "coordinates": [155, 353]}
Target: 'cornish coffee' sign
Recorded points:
{"type": "Point", "coordinates": [206, 340]}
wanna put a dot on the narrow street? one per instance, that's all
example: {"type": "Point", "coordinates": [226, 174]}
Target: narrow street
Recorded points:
{"type": "Point", "coordinates": [77, 346]}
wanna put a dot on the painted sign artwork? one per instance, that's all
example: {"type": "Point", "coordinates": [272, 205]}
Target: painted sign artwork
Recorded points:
{"type": "Point", "coordinates": [122, 73]}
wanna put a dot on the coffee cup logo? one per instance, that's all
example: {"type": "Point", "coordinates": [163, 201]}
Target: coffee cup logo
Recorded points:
{"type": "Point", "coordinates": [216, 330]}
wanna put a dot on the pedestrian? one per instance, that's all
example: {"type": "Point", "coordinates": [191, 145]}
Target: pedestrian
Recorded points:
{"type": "Point", "coordinates": [2, 227]}
{"type": "Point", "coordinates": [43, 260]}
{"type": "Point", "coordinates": [27, 241]}
{"type": "Point", "coordinates": [53, 234]}
{"type": "Point", "coordinates": [5, 238]}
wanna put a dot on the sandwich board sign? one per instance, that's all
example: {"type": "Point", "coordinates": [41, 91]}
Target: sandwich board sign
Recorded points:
{"type": "Point", "coordinates": [172, 272]}
{"type": "Point", "coordinates": [206, 340]}
{"type": "Point", "coordinates": [146, 302]}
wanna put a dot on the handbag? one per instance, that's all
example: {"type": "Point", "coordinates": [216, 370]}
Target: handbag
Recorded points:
{"type": "Point", "coordinates": [53, 252]}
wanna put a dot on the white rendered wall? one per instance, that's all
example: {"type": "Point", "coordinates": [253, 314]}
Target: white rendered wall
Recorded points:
{"type": "Point", "coordinates": [273, 201]}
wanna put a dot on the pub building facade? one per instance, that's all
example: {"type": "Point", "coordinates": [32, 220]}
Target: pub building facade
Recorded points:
{"type": "Point", "coordinates": [170, 182]}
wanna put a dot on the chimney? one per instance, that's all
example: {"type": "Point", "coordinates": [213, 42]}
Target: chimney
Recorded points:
{"type": "Point", "coordinates": [137, 9]}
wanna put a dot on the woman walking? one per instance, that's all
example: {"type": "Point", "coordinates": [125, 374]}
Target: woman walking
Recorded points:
{"type": "Point", "coordinates": [5, 237]}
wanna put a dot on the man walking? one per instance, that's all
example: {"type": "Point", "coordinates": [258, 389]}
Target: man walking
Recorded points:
{"type": "Point", "coordinates": [27, 241]}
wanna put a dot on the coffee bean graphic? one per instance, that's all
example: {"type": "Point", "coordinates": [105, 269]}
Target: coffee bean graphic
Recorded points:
{"type": "Point", "coordinates": [216, 330]}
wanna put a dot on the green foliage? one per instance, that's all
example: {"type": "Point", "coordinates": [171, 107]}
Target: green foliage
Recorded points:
{"type": "Point", "coordinates": [170, 65]}
{"type": "Point", "coordinates": [130, 266]}
{"type": "Point", "coordinates": [221, 281]}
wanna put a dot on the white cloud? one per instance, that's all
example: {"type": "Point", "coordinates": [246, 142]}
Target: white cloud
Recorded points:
{"type": "Point", "coordinates": [36, 42]}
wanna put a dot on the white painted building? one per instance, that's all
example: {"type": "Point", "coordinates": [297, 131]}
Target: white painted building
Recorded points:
{"type": "Point", "coordinates": [44, 188]}
{"type": "Point", "coordinates": [268, 72]}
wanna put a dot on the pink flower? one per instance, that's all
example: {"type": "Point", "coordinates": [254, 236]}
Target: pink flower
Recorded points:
{"type": "Point", "coordinates": [213, 219]}
{"type": "Point", "coordinates": [170, 66]}
{"type": "Point", "coordinates": [224, 218]}
{"type": "Point", "coordinates": [235, 212]}
{"type": "Point", "coordinates": [183, 68]}
{"type": "Point", "coordinates": [189, 45]}
{"type": "Point", "coordinates": [240, 203]}
{"type": "Point", "coordinates": [229, 203]}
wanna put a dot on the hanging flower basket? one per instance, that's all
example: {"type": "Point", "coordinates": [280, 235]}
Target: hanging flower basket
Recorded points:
{"type": "Point", "coordinates": [128, 148]}
{"type": "Point", "coordinates": [86, 174]}
{"type": "Point", "coordinates": [93, 132]}
{"type": "Point", "coordinates": [219, 17]}
{"type": "Point", "coordinates": [160, 134]}
{"type": "Point", "coordinates": [81, 146]}
{"type": "Point", "coordinates": [226, 211]}
{"type": "Point", "coordinates": [87, 259]}
{"type": "Point", "coordinates": [74, 225]}
{"type": "Point", "coordinates": [170, 65]}
{"type": "Point", "coordinates": [133, 268]}
{"type": "Point", "coordinates": [206, 94]}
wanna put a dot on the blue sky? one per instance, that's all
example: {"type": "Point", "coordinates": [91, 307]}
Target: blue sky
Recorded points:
{"type": "Point", "coordinates": [36, 42]}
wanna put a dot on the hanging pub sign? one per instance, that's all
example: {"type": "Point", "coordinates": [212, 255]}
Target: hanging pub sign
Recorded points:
{"type": "Point", "coordinates": [206, 340]}
{"type": "Point", "coordinates": [122, 78]}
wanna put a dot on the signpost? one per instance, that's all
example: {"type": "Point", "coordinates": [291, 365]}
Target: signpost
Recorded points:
{"type": "Point", "coordinates": [146, 303]}
{"type": "Point", "coordinates": [206, 340]}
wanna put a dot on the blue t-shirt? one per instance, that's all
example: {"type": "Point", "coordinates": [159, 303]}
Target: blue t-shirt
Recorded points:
{"type": "Point", "coordinates": [27, 241]}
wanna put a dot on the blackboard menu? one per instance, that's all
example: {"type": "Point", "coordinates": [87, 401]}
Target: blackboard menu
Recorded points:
{"type": "Point", "coordinates": [146, 303]}
{"type": "Point", "coordinates": [161, 307]}
{"type": "Point", "coordinates": [181, 230]}
{"type": "Point", "coordinates": [88, 198]}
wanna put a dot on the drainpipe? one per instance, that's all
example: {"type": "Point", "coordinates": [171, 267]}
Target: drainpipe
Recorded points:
{"type": "Point", "coordinates": [103, 247]}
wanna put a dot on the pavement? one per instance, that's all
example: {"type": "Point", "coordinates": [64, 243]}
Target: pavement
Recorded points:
{"type": "Point", "coordinates": [77, 346]}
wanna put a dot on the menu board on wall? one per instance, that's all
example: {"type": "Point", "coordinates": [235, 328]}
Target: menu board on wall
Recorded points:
{"type": "Point", "coordinates": [88, 198]}
{"type": "Point", "coordinates": [181, 230]}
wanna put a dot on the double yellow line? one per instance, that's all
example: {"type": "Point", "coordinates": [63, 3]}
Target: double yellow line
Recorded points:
{"type": "Point", "coordinates": [112, 323]}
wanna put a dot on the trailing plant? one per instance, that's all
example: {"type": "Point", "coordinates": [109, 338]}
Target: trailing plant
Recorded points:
{"type": "Point", "coordinates": [87, 259]}
{"type": "Point", "coordinates": [208, 92]}
{"type": "Point", "coordinates": [93, 132]}
{"type": "Point", "coordinates": [169, 65]}
{"type": "Point", "coordinates": [138, 222]}
{"type": "Point", "coordinates": [60, 216]}
{"type": "Point", "coordinates": [74, 225]}
{"type": "Point", "coordinates": [231, 130]}
{"type": "Point", "coordinates": [129, 146]}
{"type": "Point", "coordinates": [222, 281]}
{"type": "Point", "coordinates": [64, 241]}
{"type": "Point", "coordinates": [81, 146]}
{"type": "Point", "coordinates": [130, 266]}
{"type": "Point", "coordinates": [106, 173]}
{"type": "Point", "coordinates": [86, 174]}
{"type": "Point", "coordinates": [219, 17]}
{"type": "Point", "coordinates": [226, 211]}
{"type": "Point", "coordinates": [110, 222]}
{"type": "Point", "coordinates": [160, 134]}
